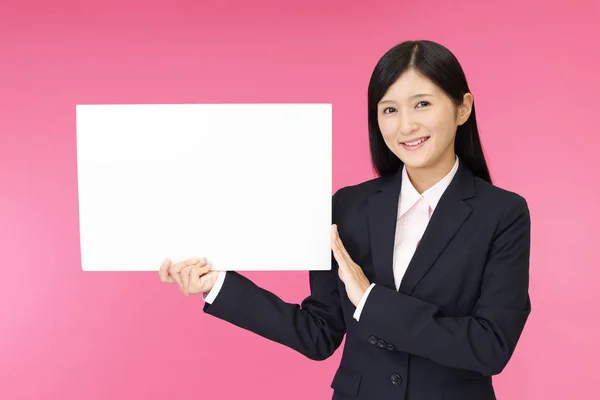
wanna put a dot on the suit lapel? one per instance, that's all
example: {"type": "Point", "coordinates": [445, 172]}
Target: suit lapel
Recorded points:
{"type": "Point", "coordinates": [449, 215]}
{"type": "Point", "coordinates": [383, 210]}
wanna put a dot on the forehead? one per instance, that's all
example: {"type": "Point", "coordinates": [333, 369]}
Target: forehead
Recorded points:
{"type": "Point", "coordinates": [409, 84]}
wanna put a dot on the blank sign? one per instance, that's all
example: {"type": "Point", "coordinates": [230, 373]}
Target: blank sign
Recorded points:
{"type": "Point", "coordinates": [248, 186]}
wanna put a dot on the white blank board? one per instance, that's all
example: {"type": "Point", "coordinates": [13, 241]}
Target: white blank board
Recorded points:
{"type": "Point", "coordinates": [248, 186]}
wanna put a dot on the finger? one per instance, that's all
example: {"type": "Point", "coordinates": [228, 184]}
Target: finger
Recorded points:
{"type": "Point", "coordinates": [341, 247]}
{"type": "Point", "coordinates": [191, 261]}
{"type": "Point", "coordinates": [185, 278]}
{"type": "Point", "coordinates": [198, 279]}
{"type": "Point", "coordinates": [335, 246]}
{"type": "Point", "coordinates": [163, 272]}
{"type": "Point", "coordinates": [177, 278]}
{"type": "Point", "coordinates": [175, 270]}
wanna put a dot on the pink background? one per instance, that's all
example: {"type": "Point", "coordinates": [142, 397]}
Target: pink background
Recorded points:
{"type": "Point", "coordinates": [70, 335]}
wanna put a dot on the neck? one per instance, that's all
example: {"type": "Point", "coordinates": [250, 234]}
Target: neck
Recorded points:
{"type": "Point", "coordinates": [424, 178]}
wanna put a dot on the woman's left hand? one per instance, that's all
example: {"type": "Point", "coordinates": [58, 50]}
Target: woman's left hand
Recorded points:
{"type": "Point", "coordinates": [350, 273]}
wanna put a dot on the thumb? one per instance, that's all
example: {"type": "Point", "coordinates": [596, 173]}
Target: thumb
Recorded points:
{"type": "Point", "coordinates": [199, 278]}
{"type": "Point", "coordinates": [342, 273]}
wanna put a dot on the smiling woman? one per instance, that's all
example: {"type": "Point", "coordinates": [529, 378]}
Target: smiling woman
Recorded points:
{"type": "Point", "coordinates": [420, 128]}
{"type": "Point", "coordinates": [419, 100]}
{"type": "Point", "coordinates": [430, 268]}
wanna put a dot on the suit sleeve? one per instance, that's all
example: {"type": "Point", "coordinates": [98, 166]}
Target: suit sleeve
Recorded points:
{"type": "Point", "coordinates": [482, 342]}
{"type": "Point", "coordinates": [314, 328]}
{"type": "Point", "coordinates": [214, 292]}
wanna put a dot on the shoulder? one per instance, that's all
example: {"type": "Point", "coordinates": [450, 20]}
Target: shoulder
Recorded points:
{"type": "Point", "coordinates": [354, 199]}
{"type": "Point", "coordinates": [506, 207]}
{"type": "Point", "coordinates": [357, 192]}
{"type": "Point", "coordinates": [497, 196]}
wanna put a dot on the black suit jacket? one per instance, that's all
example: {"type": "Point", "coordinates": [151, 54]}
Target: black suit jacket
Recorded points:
{"type": "Point", "coordinates": [454, 322]}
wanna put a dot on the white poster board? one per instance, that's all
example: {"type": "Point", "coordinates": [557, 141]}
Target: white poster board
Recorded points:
{"type": "Point", "coordinates": [246, 185]}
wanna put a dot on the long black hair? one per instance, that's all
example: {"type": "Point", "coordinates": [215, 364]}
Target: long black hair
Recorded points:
{"type": "Point", "coordinates": [439, 65]}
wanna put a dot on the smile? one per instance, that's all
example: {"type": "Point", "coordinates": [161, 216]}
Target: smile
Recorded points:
{"type": "Point", "coordinates": [415, 144]}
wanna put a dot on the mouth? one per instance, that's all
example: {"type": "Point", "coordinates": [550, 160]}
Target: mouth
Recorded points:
{"type": "Point", "coordinates": [415, 144]}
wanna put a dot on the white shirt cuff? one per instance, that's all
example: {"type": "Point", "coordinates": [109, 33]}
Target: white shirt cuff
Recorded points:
{"type": "Point", "coordinates": [362, 302]}
{"type": "Point", "coordinates": [212, 295]}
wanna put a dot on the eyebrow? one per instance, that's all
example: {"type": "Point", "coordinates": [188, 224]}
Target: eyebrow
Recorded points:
{"type": "Point", "coordinates": [410, 98]}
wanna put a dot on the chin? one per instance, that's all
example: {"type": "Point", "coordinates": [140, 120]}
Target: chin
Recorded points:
{"type": "Point", "coordinates": [414, 161]}
{"type": "Point", "coordinates": [412, 164]}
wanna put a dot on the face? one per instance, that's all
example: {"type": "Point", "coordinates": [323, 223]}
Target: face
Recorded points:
{"type": "Point", "coordinates": [418, 122]}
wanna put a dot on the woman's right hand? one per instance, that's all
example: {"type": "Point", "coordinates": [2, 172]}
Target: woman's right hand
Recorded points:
{"type": "Point", "coordinates": [193, 276]}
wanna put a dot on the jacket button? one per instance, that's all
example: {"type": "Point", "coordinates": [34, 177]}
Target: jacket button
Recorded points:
{"type": "Point", "coordinates": [390, 347]}
{"type": "Point", "coordinates": [372, 340]}
{"type": "Point", "coordinates": [396, 379]}
{"type": "Point", "coordinates": [381, 344]}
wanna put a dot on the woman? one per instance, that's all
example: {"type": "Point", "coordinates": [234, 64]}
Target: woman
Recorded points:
{"type": "Point", "coordinates": [430, 271]}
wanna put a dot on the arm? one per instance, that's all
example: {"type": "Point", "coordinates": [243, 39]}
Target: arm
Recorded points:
{"type": "Point", "coordinates": [314, 328]}
{"type": "Point", "coordinates": [361, 304]}
{"type": "Point", "coordinates": [482, 342]}
{"type": "Point", "coordinates": [212, 294]}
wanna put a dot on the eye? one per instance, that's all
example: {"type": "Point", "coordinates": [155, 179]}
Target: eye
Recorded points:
{"type": "Point", "coordinates": [388, 110]}
{"type": "Point", "coordinates": [426, 103]}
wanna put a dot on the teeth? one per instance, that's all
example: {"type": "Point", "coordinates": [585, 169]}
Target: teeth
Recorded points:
{"type": "Point", "coordinates": [415, 143]}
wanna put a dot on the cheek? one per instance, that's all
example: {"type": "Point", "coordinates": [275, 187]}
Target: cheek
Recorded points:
{"type": "Point", "coordinates": [388, 127]}
{"type": "Point", "coordinates": [442, 129]}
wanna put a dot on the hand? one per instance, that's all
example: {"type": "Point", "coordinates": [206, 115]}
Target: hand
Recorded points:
{"type": "Point", "coordinates": [192, 276]}
{"type": "Point", "coordinates": [350, 273]}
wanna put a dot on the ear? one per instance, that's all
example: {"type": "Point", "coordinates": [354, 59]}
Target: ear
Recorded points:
{"type": "Point", "coordinates": [464, 110]}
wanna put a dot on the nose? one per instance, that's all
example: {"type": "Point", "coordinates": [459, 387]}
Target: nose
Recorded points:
{"type": "Point", "coordinates": [407, 125]}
